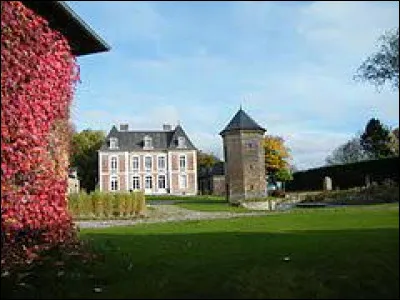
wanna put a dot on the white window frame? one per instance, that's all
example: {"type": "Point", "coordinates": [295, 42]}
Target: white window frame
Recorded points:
{"type": "Point", "coordinates": [185, 164]}
{"type": "Point", "coordinates": [158, 162]}
{"type": "Point", "coordinates": [151, 163]}
{"type": "Point", "coordinates": [133, 182]}
{"type": "Point", "coordinates": [181, 142]}
{"type": "Point", "coordinates": [134, 157]}
{"type": "Point", "coordinates": [147, 142]}
{"type": "Point", "coordinates": [182, 183]}
{"type": "Point", "coordinates": [114, 170]}
{"type": "Point", "coordinates": [165, 182]}
{"type": "Point", "coordinates": [114, 178]}
{"type": "Point", "coordinates": [113, 143]}
{"type": "Point", "coordinates": [151, 182]}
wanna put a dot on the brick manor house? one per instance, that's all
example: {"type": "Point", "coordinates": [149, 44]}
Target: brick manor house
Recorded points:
{"type": "Point", "coordinates": [158, 162]}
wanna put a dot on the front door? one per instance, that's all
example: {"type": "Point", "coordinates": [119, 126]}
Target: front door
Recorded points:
{"type": "Point", "coordinates": [148, 184]}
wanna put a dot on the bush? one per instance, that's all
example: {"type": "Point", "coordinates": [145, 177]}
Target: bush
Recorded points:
{"type": "Point", "coordinates": [385, 193]}
{"type": "Point", "coordinates": [106, 205]}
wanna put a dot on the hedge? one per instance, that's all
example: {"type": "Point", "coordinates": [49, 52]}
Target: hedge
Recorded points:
{"type": "Point", "coordinates": [346, 176]}
{"type": "Point", "coordinates": [103, 205]}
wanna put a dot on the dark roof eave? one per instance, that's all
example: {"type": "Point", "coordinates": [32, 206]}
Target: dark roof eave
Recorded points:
{"type": "Point", "coordinates": [82, 39]}
{"type": "Point", "coordinates": [224, 132]}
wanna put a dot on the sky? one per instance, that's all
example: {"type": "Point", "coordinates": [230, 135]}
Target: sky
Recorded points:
{"type": "Point", "coordinates": [289, 64]}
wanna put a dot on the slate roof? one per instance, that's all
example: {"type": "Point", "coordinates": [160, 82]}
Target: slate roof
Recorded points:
{"type": "Point", "coordinates": [241, 121]}
{"type": "Point", "coordinates": [133, 140]}
{"type": "Point", "coordinates": [82, 39]}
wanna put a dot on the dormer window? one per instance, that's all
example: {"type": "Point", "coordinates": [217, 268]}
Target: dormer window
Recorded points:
{"type": "Point", "coordinates": [147, 142]}
{"type": "Point", "coordinates": [113, 143]}
{"type": "Point", "coordinates": [181, 142]}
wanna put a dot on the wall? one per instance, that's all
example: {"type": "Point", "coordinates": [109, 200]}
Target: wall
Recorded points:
{"type": "Point", "coordinates": [38, 74]}
{"type": "Point", "coordinates": [171, 172]}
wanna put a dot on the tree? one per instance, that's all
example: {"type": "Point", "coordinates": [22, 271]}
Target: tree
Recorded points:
{"type": "Point", "coordinates": [85, 158]}
{"type": "Point", "coordinates": [349, 152]}
{"type": "Point", "coordinates": [277, 155]}
{"type": "Point", "coordinates": [394, 141]}
{"type": "Point", "coordinates": [376, 140]}
{"type": "Point", "coordinates": [382, 66]}
{"type": "Point", "coordinates": [206, 160]}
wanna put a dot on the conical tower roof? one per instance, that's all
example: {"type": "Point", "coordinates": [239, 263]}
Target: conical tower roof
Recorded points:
{"type": "Point", "coordinates": [241, 121]}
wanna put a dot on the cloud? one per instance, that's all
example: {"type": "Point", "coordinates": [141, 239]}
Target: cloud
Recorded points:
{"type": "Point", "coordinates": [290, 64]}
{"type": "Point", "coordinates": [147, 119]}
{"type": "Point", "coordinates": [349, 27]}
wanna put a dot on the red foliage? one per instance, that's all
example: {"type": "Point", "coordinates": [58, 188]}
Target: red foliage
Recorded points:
{"type": "Point", "coordinates": [38, 75]}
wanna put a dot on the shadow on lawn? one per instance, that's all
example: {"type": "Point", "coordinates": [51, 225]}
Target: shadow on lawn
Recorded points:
{"type": "Point", "coordinates": [355, 264]}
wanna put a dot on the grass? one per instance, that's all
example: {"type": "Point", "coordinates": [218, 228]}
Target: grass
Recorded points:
{"type": "Point", "coordinates": [204, 203]}
{"type": "Point", "coordinates": [341, 252]}
{"type": "Point", "coordinates": [184, 198]}
{"type": "Point", "coordinates": [213, 204]}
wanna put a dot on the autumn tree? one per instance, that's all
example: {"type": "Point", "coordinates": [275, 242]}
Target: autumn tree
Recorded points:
{"type": "Point", "coordinates": [85, 158]}
{"type": "Point", "coordinates": [277, 157]}
{"type": "Point", "coordinates": [206, 160]}
{"type": "Point", "coordinates": [376, 140]}
{"type": "Point", "coordinates": [382, 66]}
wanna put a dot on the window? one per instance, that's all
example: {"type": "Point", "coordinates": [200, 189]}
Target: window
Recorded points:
{"type": "Point", "coordinates": [182, 181]}
{"type": "Point", "coordinates": [161, 162]}
{"type": "Point", "coordinates": [135, 163]}
{"type": "Point", "coordinates": [181, 142]}
{"type": "Point", "coordinates": [182, 162]}
{"type": "Point", "coordinates": [114, 183]}
{"type": "Point", "coordinates": [114, 164]}
{"type": "Point", "coordinates": [135, 183]}
{"type": "Point", "coordinates": [147, 163]}
{"type": "Point", "coordinates": [147, 142]}
{"type": "Point", "coordinates": [113, 143]}
{"type": "Point", "coordinates": [161, 182]}
{"type": "Point", "coordinates": [148, 184]}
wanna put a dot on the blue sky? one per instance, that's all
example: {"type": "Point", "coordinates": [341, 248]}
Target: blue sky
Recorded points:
{"type": "Point", "coordinates": [290, 64]}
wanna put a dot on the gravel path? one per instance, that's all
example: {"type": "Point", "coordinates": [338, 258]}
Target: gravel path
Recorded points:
{"type": "Point", "coordinates": [167, 213]}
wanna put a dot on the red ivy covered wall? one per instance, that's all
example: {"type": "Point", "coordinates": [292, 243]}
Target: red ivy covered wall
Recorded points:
{"type": "Point", "coordinates": [38, 76]}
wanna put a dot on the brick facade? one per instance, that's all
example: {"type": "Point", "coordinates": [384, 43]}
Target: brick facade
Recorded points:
{"type": "Point", "coordinates": [171, 175]}
{"type": "Point", "coordinates": [105, 163]}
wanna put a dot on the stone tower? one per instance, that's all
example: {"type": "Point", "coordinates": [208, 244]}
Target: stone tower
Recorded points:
{"type": "Point", "coordinates": [244, 159]}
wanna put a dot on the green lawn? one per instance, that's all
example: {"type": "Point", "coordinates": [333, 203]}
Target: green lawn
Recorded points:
{"type": "Point", "coordinates": [193, 198]}
{"type": "Point", "coordinates": [209, 204]}
{"type": "Point", "coordinates": [202, 203]}
{"type": "Point", "coordinates": [346, 252]}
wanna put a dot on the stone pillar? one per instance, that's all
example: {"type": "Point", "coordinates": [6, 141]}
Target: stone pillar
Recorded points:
{"type": "Point", "coordinates": [367, 181]}
{"type": "Point", "coordinates": [327, 183]}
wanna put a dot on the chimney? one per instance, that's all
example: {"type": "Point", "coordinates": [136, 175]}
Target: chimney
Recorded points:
{"type": "Point", "coordinates": [167, 127]}
{"type": "Point", "coordinates": [123, 127]}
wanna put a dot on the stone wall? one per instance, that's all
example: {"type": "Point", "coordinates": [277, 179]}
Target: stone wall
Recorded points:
{"type": "Point", "coordinates": [244, 168]}
{"type": "Point", "coordinates": [218, 185]}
